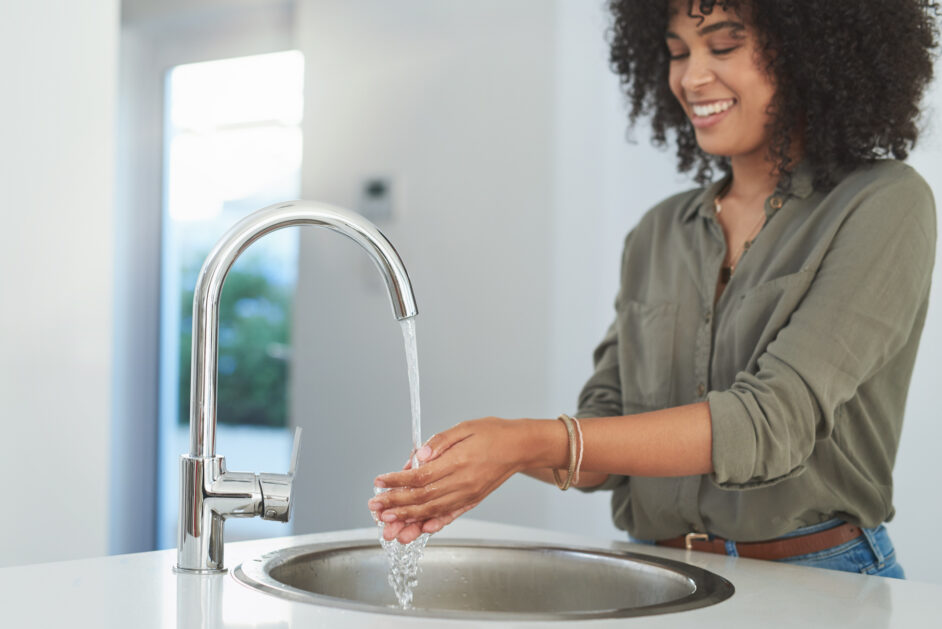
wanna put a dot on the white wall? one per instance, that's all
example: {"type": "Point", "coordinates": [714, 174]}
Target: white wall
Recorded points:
{"type": "Point", "coordinates": [57, 117]}
{"type": "Point", "coordinates": [452, 100]}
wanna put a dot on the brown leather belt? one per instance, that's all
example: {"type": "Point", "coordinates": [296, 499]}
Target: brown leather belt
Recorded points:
{"type": "Point", "coordinates": [774, 549]}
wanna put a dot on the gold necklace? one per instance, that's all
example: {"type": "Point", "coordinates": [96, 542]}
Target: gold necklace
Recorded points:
{"type": "Point", "coordinates": [726, 271]}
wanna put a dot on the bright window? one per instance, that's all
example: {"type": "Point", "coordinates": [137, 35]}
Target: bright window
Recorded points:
{"type": "Point", "coordinates": [232, 145]}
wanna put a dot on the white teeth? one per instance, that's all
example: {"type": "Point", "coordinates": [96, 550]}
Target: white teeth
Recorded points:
{"type": "Point", "coordinates": [712, 108]}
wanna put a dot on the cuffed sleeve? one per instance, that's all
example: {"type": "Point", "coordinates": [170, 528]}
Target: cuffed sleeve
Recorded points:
{"type": "Point", "coordinates": [861, 309]}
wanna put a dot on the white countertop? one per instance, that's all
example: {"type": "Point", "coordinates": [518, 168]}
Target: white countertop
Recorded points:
{"type": "Point", "coordinates": [141, 590]}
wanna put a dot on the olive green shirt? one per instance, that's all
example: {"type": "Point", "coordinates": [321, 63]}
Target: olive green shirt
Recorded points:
{"type": "Point", "coordinates": [805, 359]}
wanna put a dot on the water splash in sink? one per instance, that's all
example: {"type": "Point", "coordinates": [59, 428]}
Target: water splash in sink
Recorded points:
{"type": "Point", "coordinates": [404, 566]}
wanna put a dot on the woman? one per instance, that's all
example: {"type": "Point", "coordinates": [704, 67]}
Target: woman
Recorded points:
{"type": "Point", "coordinates": [748, 398]}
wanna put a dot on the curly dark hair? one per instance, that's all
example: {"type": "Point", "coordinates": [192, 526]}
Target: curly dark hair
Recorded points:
{"type": "Point", "coordinates": [849, 76]}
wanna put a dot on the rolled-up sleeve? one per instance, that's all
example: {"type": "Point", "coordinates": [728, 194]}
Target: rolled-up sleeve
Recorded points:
{"type": "Point", "coordinates": [858, 313]}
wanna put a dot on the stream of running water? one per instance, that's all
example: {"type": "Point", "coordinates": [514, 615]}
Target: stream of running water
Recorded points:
{"type": "Point", "coordinates": [404, 558]}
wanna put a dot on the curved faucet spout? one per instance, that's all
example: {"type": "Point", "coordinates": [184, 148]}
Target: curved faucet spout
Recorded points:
{"type": "Point", "coordinates": [221, 259]}
{"type": "Point", "coordinates": [209, 493]}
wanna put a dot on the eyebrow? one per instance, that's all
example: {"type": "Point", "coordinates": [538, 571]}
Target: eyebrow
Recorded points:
{"type": "Point", "coordinates": [712, 28]}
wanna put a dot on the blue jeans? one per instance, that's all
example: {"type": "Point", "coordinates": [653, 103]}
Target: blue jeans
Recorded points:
{"type": "Point", "coordinates": [872, 553]}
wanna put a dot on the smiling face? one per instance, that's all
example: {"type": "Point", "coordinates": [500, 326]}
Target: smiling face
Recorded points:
{"type": "Point", "coordinates": [719, 78]}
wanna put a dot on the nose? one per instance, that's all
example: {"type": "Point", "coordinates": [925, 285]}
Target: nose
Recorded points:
{"type": "Point", "coordinates": [697, 74]}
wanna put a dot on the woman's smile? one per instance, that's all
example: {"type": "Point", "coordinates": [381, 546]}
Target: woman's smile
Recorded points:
{"type": "Point", "coordinates": [708, 113]}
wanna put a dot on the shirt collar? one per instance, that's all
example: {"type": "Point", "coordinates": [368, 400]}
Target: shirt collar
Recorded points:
{"type": "Point", "coordinates": [802, 183]}
{"type": "Point", "coordinates": [703, 202]}
{"type": "Point", "coordinates": [801, 186]}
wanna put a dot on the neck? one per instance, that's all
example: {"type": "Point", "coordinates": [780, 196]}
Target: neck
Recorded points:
{"type": "Point", "coordinates": [752, 179]}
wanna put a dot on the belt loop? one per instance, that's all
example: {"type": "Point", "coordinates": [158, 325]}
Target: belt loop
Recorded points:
{"type": "Point", "coordinates": [874, 546]}
{"type": "Point", "coordinates": [731, 549]}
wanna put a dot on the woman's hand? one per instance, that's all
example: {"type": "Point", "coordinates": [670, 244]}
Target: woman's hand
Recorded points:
{"type": "Point", "coordinates": [460, 467]}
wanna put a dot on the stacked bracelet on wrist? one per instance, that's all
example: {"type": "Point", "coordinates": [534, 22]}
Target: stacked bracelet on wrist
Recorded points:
{"type": "Point", "coordinates": [574, 431]}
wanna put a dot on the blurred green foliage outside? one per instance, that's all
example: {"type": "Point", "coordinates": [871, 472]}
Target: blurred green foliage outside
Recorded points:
{"type": "Point", "coordinates": [254, 346]}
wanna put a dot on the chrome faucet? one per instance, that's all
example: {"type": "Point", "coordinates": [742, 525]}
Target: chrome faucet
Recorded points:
{"type": "Point", "coordinates": [208, 492]}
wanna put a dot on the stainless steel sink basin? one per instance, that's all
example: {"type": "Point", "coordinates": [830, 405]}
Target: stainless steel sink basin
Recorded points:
{"type": "Point", "coordinates": [474, 579]}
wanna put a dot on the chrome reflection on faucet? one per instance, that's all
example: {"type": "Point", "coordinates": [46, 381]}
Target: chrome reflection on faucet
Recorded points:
{"type": "Point", "coordinates": [208, 493]}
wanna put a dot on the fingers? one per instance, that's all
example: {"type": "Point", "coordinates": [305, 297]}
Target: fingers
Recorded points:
{"type": "Point", "coordinates": [458, 490]}
{"type": "Point", "coordinates": [433, 448]}
{"type": "Point", "coordinates": [430, 471]}
{"type": "Point", "coordinates": [390, 531]}
{"type": "Point", "coordinates": [405, 533]}
{"type": "Point", "coordinates": [419, 477]}
{"type": "Point", "coordinates": [409, 488]}
{"type": "Point", "coordinates": [433, 526]}
{"type": "Point", "coordinates": [409, 533]}
{"type": "Point", "coordinates": [437, 508]}
{"type": "Point", "coordinates": [440, 442]}
{"type": "Point", "coordinates": [402, 532]}
{"type": "Point", "coordinates": [427, 498]}
{"type": "Point", "coordinates": [411, 495]}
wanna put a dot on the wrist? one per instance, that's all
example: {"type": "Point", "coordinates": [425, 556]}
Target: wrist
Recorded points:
{"type": "Point", "coordinates": [544, 443]}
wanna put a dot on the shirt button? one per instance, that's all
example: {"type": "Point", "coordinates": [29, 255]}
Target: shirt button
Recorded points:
{"type": "Point", "coordinates": [776, 203]}
{"type": "Point", "coordinates": [707, 316]}
{"type": "Point", "coordinates": [701, 389]}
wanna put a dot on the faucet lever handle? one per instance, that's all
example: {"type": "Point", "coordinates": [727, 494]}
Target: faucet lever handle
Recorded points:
{"type": "Point", "coordinates": [278, 489]}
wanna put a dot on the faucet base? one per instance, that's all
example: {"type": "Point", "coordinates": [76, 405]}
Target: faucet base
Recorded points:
{"type": "Point", "coordinates": [179, 570]}
{"type": "Point", "coordinates": [208, 495]}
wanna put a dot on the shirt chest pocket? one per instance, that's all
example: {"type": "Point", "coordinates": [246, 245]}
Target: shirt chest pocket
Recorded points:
{"type": "Point", "coordinates": [756, 319]}
{"type": "Point", "coordinates": [646, 348]}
